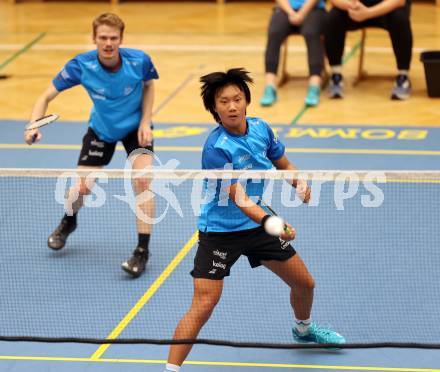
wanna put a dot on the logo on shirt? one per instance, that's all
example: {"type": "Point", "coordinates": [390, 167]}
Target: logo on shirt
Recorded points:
{"type": "Point", "coordinates": [65, 75]}
{"type": "Point", "coordinates": [128, 90]}
{"type": "Point", "coordinates": [243, 158]}
{"type": "Point", "coordinates": [224, 139]}
{"type": "Point", "coordinates": [91, 66]}
{"type": "Point", "coordinates": [98, 96]}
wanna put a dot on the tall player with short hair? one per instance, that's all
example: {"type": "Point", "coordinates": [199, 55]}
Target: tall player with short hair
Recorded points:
{"type": "Point", "coordinates": [120, 83]}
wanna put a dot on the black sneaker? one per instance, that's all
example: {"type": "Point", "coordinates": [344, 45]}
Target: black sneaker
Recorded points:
{"type": "Point", "coordinates": [135, 265]}
{"type": "Point", "coordinates": [402, 88]}
{"type": "Point", "coordinates": [57, 239]}
{"type": "Point", "coordinates": [336, 86]}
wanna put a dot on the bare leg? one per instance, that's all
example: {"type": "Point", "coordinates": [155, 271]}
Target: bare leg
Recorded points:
{"type": "Point", "coordinates": [315, 80]}
{"type": "Point", "coordinates": [295, 274]}
{"type": "Point", "coordinates": [270, 78]}
{"type": "Point", "coordinates": [74, 200]}
{"type": "Point", "coordinates": [77, 193]}
{"type": "Point", "coordinates": [145, 207]}
{"type": "Point", "coordinates": [206, 296]}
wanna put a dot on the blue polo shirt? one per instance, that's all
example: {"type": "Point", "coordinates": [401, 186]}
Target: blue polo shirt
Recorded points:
{"type": "Point", "coordinates": [223, 150]}
{"type": "Point", "coordinates": [117, 96]}
{"type": "Point", "coordinates": [297, 4]}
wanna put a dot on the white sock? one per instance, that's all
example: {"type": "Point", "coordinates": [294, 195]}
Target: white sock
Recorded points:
{"type": "Point", "coordinates": [402, 72]}
{"type": "Point", "coordinates": [302, 326]}
{"type": "Point", "coordinates": [172, 368]}
{"type": "Point", "coordinates": [337, 69]}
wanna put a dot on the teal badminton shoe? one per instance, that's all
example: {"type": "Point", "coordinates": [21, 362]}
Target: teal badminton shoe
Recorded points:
{"type": "Point", "coordinates": [318, 335]}
{"type": "Point", "coordinates": [269, 96]}
{"type": "Point", "coordinates": [312, 96]}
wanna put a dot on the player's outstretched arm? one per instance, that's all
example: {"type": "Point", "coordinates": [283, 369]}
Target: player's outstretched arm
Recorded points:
{"type": "Point", "coordinates": [39, 110]}
{"type": "Point", "coordinates": [302, 189]}
{"type": "Point", "coordinates": [145, 134]}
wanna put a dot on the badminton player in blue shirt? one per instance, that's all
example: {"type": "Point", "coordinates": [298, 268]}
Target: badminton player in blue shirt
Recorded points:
{"type": "Point", "coordinates": [227, 231]}
{"type": "Point", "coordinates": [120, 83]}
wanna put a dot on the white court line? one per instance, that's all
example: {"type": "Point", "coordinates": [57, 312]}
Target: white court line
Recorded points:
{"type": "Point", "coordinates": [183, 48]}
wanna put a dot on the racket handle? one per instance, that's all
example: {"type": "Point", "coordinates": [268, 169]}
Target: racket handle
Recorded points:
{"type": "Point", "coordinates": [34, 137]}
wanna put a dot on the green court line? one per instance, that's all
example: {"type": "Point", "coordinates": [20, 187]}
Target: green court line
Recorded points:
{"type": "Point", "coordinates": [351, 53]}
{"type": "Point", "coordinates": [224, 364]}
{"type": "Point", "coordinates": [296, 150]}
{"type": "Point", "coordinates": [299, 115]}
{"type": "Point", "coordinates": [346, 58]}
{"type": "Point", "coordinates": [22, 50]}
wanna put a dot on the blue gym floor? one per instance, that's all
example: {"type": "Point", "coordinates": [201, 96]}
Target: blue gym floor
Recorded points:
{"type": "Point", "coordinates": [309, 147]}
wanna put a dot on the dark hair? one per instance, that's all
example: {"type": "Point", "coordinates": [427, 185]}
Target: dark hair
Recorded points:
{"type": "Point", "coordinates": [214, 82]}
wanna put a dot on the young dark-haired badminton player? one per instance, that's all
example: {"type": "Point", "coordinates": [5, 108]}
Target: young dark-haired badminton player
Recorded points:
{"type": "Point", "coordinates": [227, 232]}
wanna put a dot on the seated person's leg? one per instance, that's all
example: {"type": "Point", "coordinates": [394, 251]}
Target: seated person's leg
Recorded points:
{"type": "Point", "coordinates": [399, 27]}
{"type": "Point", "coordinates": [279, 29]}
{"type": "Point", "coordinates": [336, 28]}
{"type": "Point", "coordinates": [312, 30]}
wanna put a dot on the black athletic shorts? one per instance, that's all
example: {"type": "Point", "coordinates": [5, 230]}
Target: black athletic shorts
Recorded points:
{"type": "Point", "coordinates": [217, 252]}
{"type": "Point", "coordinates": [95, 152]}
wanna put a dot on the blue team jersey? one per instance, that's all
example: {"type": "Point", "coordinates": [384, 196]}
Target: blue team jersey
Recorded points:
{"type": "Point", "coordinates": [116, 96]}
{"type": "Point", "coordinates": [223, 150]}
{"type": "Point", "coordinates": [297, 4]}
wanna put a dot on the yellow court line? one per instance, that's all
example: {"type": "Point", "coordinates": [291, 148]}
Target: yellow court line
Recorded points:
{"type": "Point", "coordinates": [411, 181]}
{"type": "Point", "coordinates": [223, 364]}
{"type": "Point", "coordinates": [306, 150]}
{"type": "Point", "coordinates": [147, 295]}
{"type": "Point", "coordinates": [361, 151]}
{"type": "Point", "coordinates": [319, 150]}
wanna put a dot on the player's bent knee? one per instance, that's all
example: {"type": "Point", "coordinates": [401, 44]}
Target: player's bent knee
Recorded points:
{"type": "Point", "coordinates": [206, 301]}
{"type": "Point", "coordinates": [308, 283]}
{"type": "Point", "coordinates": [203, 310]}
{"type": "Point", "coordinates": [84, 190]}
{"type": "Point", "coordinates": [141, 184]}
{"type": "Point", "coordinates": [211, 302]}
